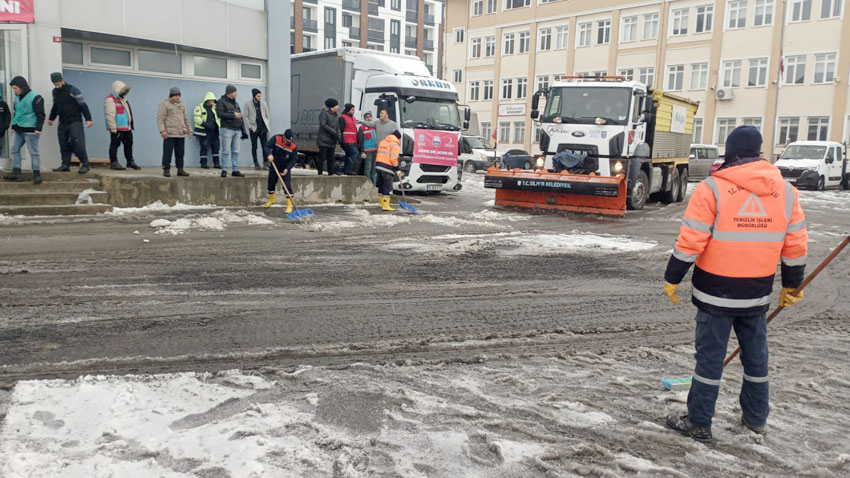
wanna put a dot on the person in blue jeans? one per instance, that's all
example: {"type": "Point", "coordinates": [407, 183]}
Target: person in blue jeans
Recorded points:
{"type": "Point", "coordinates": [232, 131]}
{"type": "Point", "coordinates": [27, 124]}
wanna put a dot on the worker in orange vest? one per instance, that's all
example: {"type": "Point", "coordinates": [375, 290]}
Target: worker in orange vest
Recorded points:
{"type": "Point", "coordinates": [738, 225]}
{"type": "Point", "coordinates": [386, 164]}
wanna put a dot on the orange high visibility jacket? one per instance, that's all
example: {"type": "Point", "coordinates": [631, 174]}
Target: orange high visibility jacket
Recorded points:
{"type": "Point", "coordinates": [388, 151]}
{"type": "Point", "coordinates": [738, 224]}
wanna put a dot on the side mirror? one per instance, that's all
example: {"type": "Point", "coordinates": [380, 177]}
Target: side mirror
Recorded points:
{"type": "Point", "coordinates": [646, 104]}
{"type": "Point", "coordinates": [644, 118]}
{"type": "Point", "coordinates": [535, 114]}
{"type": "Point", "coordinates": [466, 124]}
{"type": "Point", "coordinates": [466, 116]}
{"type": "Point", "coordinates": [410, 99]}
{"type": "Point", "coordinates": [693, 156]}
{"type": "Point", "coordinates": [535, 101]}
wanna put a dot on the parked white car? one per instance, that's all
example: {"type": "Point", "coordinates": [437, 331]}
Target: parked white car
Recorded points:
{"type": "Point", "coordinates": [815, 165]}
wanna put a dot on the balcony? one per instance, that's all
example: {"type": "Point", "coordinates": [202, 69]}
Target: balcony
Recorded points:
{"type": "Point", "coordinates": [375, 36]}
{"type": "Point", "coordinates": [308, 50]}
{"type": "Point", "coordinates": [412, 16]}
{"type": "Point", "coordinates": [428, 45]}
{"type": "Point", "coordinates": [310, 25]}
{"type": "Point", "coordinates": [430, 20]}
{"type": "Point", "coordinates": [352, 5]}
{"type": "Point", "coordinates": [354, 33]}
{"type": "Point", "coordinates": [410, 42]}
{"type": "Point", "coordinates": [373, 8]}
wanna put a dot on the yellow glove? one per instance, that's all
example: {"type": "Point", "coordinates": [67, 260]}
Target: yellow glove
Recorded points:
{"type": "Point", "coordinates": [787, 297]}
{"type": "Point", "coordinates": [670, 290]}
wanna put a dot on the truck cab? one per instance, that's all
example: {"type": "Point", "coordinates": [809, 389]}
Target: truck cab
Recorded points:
{"type": "Point", "coordinates": [815, 165]}
{"type": "Point", "coordinates": [476, 154]}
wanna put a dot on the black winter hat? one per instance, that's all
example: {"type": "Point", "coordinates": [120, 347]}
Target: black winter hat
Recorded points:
{"type": "Point", "coordinates": [255, 92]}
{"type": "Point", "coordinates": [397, 134]}
{"type": "Point", "coordinates": [288, 134]}
{"type": "Point", "coordinates": [348, 107]}
{"type": "Point", "coordinates": [330, 103]}
{"type": "Point", "coordinates": [743, 142]}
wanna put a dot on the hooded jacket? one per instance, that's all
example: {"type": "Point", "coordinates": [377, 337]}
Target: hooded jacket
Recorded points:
{"type": "Point", "coordinates": [202, 113]}
{"type": "Point", "coordinates": [117, 110]}
{"type": "Point", "coordinates": [328, 128]}
{"type": "Point", "coordinates": [739, 224]}
{"type": "Point", "coordinates": [69, 105]}
{"type": "Point", "coordinates": [226, 109]}
{"type": "Point", "coordinates": [24, 105]}
{"type": "Point", "coordinates": [388, 152]}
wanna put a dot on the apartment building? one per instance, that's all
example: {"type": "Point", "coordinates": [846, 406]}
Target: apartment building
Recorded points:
{"type": "Point", "coordinates": [773, 64]}
{"type": "Point", "coordinates": [412, 27]}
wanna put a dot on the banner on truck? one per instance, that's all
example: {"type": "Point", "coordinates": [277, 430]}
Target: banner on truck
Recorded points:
{"type": "Point", "coordinates": [435, 147]}
{"type": "Point", "coordinates": [17, 11]}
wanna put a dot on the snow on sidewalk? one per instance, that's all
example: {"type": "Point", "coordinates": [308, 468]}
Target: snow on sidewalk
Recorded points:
{"type": "Point", "coordinates": [216, 221]}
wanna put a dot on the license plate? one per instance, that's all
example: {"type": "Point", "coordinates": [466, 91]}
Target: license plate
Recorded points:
{"type": "Point", "coordinates": [433, 188]}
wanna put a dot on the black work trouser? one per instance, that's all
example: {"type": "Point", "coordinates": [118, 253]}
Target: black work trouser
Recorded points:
{"type": "Point", "coordinates": [326, 155]}
{"type": "Point", "coordinates": [178, 147]}
{"type": "Point", "coordinates": [385, 183]}
{"type": "Point", "coordinates": [264, 138]}
{"type": "Point", "coordinates": [287, 178]}
{"type": "Point", "coordinates": [210, 144]}
{"type": "Point", "coordinates": [117, 139]}
{"type": "Point", "coordinates": [72, 141]}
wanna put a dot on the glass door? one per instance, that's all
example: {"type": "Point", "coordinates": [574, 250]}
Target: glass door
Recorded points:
{"type": "Point", "coordinates": [13, 62]}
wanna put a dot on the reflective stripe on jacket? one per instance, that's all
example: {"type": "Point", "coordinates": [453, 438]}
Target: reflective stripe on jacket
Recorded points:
{"type": "Point", "coordinates": [349, 134]}
{"type": "Point", "coordinates": [738, 224]}
{"type": "Point", "coordinates": [388, 152]}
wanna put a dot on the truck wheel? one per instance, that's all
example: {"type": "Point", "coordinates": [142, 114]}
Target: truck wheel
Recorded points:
{"type": "Point", "coordinates": [821, 184]}
{"type": "Point", "coordinates": [640, 192]}
{"type": "Point", "coordinates": [846, 183]}
{"type": "Point", "coordinates": [526, 165]}
{"type": "Point", "coordinates": [683, 181]}
{"type": "Point", "coordinates": [469, 167]}
{"type": "Point", "coordinates": [670, 196]}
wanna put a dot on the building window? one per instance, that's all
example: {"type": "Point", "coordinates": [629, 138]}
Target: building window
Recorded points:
{"type": "Point", "coordinates": [459, 34]}
{"type": "Point", "coordinates": [457, 76]}
{"type": "Point", "coordinates": [477, 7]}
{"type": "Point", "coordinates": [476, 48]}
{"type": "Point", "coordinates": [160, 62]}
{"type": "Point", "coordinates": [562, 37]}
{"type": "Point", "coordinates": [330, 16]}
{"type": "Point", "coordinates": [724, 127]}
{"type": "Point", "coordinates": [488, 90]}
{"type": "Point", "coordinates": [628, 73]}
{"type": "Point", "coordinates": [508, 48]}
{"type": "Point", "coordinates": [764, 13]}
{"type": "Point", "coordinates": [818, 128]}
{"type": "Point", "coordinates": [758, 72]}
{"type": "Point", "coordinates": [347, 20]}
{"type": "Point", "coordinates": [524, 42]}
{"type": "Point", "coordinates": [558, 78]}
{"type": "Point", "coordinates": [795, 69]}
{"type": "Point", "coordinates": [519, 132]}
{"type": "Point", "coordinates": [699, 76]}
{"type": "Point", "coordinates": [251, 71]}
{"type": "Point", "coordinates": [603, 32]}
{"type": "Point", "coordinates": [697, 138]}
{"type": "Point", "coordinates": [330, 43]}
{"type": "Point", "coordinates": [110, 56]}
{"type": "Point", "coordinates": [507, 88]}
{"type": "Point", "coordinates": [801, 10]}
{"type": "Point", "coordinates": [545, 43]}
{"type": "Point", "coordinates": [825, 67]}
{"type": "Point", "coordinates": [474, 87]}
{"type": "Point", "coordinates": [492, 6]}
{"type": "Point", "coordinates": [504, 131]}
{"type": "Point", "coordinates": [542, 82]}
{"type": "Point", "coordinates": [680, 21]}
{"type": "Point", "coordinates": [210, 67]}
{"type": "Point", "coordinates": [307, 42]}
{"type": "Point", "coordinates": [490, 46]}
{"type": "Point", "coordinates": [705, 18]}
{"type": "Point", "coordinates": [521, 88]}
{"type": "Point", "coordinates": [72, 53]}
{"type": "Point", "coordinates": [754, 122]}
{"type": "Point", "coordinates": [535, 135]}
{"type": "Point", "coordinates": [486, 131]}
{"type": "Point", "coordinates": [650, 26]}
{"type": "Point", "coordinates": [584, 33]}
{"type": "Point", "coordinates": [675, 77]}
{"type": "Point", "coordinates": [512, 4]}
{"type": "Point", "coordinates": [629, 29]}
{"type": "Point", "coordinates": [788, 127]}
{"type": "Point", "coordinates": [647, 76]}
{"type": "Point", "coordinates": [731, 73]}
{"type": "Point", "coordinates": [831, 8]}
{"type": "Point", "coordinates": [737, 14]}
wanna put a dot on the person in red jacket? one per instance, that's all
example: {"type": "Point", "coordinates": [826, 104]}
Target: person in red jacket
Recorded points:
{"type": "Point", "coordinates": [348, 139]}
{"type": "Point", "coordinates": [738, 225]}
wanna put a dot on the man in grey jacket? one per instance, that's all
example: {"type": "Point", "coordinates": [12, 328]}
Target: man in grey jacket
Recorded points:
{"type": "Point", "coordinates": [383, 126]}
{"type": "Point", "coordinates": [328, 135]}
{"type": "Point", "coordinates": [257, 120]}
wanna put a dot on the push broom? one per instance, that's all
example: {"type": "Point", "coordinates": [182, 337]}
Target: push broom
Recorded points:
{"type": "Point", "coordinates": [685, 383]}
{"type": "Point", "coordinates": [296, 215]}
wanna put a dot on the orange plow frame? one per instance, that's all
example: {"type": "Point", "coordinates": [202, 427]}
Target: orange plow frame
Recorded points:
{"type": "Point", "coordinates": [559, 191]}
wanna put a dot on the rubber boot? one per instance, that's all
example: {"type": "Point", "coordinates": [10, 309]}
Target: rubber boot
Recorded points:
{"type": "Point", "coordinates": [385, 204]}
{"type": "Point", "coordinates": [270, 201]}
{"type": "Point", "coordinates": [289, 206]}
{"type": "Point", "coordinates": [15, 175]}
{"type": "Point", "coordinates": [36, 177]}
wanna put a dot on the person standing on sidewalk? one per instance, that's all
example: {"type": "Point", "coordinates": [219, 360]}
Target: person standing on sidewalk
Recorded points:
{"type": "Point", "coordinates": [329, 135]}
{"type": "Point", "coordinates": [207, 130]}
{"type": "Point", "coordinates": [70, 106]}
{"type": "Point", "coordinates": [284, 153]}
{"type": "Point", "coordinates": [387, 167]}
{"type": "Point", "coordinates": [257, 120]}
{"type": "Point", "coordinates": [384, 126]}
{"type": "Point", "coordinates": [368, 145]}
{"type": "Point", "coordinates": [119, 122]}
{"type": "Point", "coordinates": [348, 126]}
{"type": "Point", "coordinates": [739, 223]}
{"type": "Point", "coordinates": [173, 125]}
{"type": "Point", "coordinates": [232, 131]}
{"type": "Point", "coordinates": [27, 123]}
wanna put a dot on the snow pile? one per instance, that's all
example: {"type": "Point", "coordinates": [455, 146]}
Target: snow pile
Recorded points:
{"type": "Point", "coordinates": [522, 244]}
{"type": "Point", "coordinates": [85, 196]}
{"type": "Point", "coordinates": [155, 207]}
{"type": "Point", "coordinates": [216, 221]}
{"type": "Point", "coordinates": [361, 219]}
{"type": "Point", "coordinates": [7, 220]}
{"type": "Point", "coordinates": [828, 200]}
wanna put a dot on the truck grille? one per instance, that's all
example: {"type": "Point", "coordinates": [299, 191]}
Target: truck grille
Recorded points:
{"type": "Point", "coordinates": [433, 168]}
{"type": "Point", "coordinates": [791, 173]}
{"type": "Point", "coordinates": [433, 179]}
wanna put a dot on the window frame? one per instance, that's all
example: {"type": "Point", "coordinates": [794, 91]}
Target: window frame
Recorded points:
{"type": "Point", "coordinates": [629, 24]}
{"type": "Point", "coordinates": [455, 73]}
{"type": "Point", "coordinates": [740, 17]}
{"type": "Point", "coordinates": [653, 19]}
{"type": "Point", "coordinates": [507, 85]}
{"type": "Point", "coordinates": [729, 124]}
{"type": "Point", "coordinates": [765, 14]}
{"type": "Point", "coordinates": [792, 121]}
{"type": "Point", "coordinates": [833, 63]}
{"type": "Point", "coordinates": [792, 4]}
{"type": "Point", "coordinates": [473, 86]}
{"type": "Point", "coordinates": [251, 63]}
{"type": "Point", "coordinates": [523, 38]}
{"type": "Point", "coordinates": [730, 65]}
{"type": "Point", "coordinates": [766, 70]}
{"type": "Point", "coordinates": [708, 19]}
{"type": "Point", "coordinates": [508, 38]}
{"type": "Point", "coordinates": [462, 32]}
{"type": "Point", "coordinates": [796, 64]}
{"type": "Point", "coordinates": [540, 37]}
{"type": "Point", "coordinates": [132, 66]}
{"type": "Point", "coordinates": [678, 77]}
{"type": "Point", "coordinates": [684, 16]}
{"type": "Point", "coordinates": [603, 29]}
{"type": "Point", "coordinates": [702, 74]}
{"type": "Point", "coordinates": [582, 29]}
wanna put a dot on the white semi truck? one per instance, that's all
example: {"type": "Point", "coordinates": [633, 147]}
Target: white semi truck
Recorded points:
{"type": "Point", "coordinates": [423, 106]}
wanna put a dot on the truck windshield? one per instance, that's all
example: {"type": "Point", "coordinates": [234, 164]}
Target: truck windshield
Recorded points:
{"type": "Point", "coordinates": [475, 142]}
{"type": "Point", "coordinates": [583, 104]}
{"type": "Point", "coordinates": [430, 113]}
{"type": "Point", "coordinates": [799, 151]}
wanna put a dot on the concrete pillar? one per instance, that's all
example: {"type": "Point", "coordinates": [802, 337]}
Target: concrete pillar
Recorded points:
{"type": "Point", "coordinates": [364, 23]}
{"type": "Point", "coordinates": [298, 14]}
{"type": "Point", "coordinates": [420, 30]}
{"type": "Point", "coordinates": [278, 90]}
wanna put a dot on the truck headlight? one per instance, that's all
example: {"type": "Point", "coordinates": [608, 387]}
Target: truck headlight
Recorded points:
{"type": "Point", "coordinates": [617, 167]}
{"type": "Point", "coordinates": [538, 164]}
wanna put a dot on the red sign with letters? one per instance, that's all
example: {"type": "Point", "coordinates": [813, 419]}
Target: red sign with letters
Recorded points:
{"type": "Point", "coordinates": [17, 11]}
{"type": "Point", "coordinates": [435, 147]}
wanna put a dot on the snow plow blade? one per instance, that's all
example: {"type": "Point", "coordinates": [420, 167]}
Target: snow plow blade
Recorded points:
{"type": "Point", "coordinates": [559, 191]}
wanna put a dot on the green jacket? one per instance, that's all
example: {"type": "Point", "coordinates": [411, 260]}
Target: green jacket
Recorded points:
{"type": "Point", "coordinates": [201, 112]}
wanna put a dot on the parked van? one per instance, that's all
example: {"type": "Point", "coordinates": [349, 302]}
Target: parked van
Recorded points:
{"type": "Point", "coordinates": [815, 165]}
{"type": "Point", "coordinates": [700, 161]}
{"type": "Point", "coordinates": [475, 154]}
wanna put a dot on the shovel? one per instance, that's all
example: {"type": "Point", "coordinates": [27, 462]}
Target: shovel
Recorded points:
{"type": "Point", "coordinates": [403, 203]}
{"type": "Point", "coordinates": [685, 382]}
{"type": "Point", "coordinates": [296, 215]}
